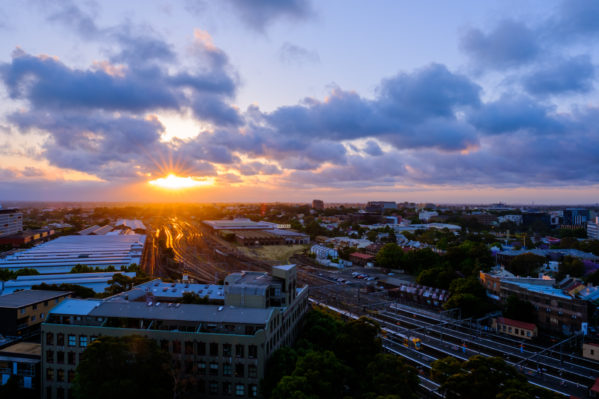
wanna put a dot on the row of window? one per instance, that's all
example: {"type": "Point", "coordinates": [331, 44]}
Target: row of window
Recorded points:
{"type": "Point", "coordinates": [517, 331]}
{"type": "Point", "coordinates": [213, 349]}
{"type": "Point", "coordinates": [60, 375]}
{"type": "Point", "coordinates": [239, 370]}
{"type": "Point", "coordinates": [34, 306]}
{"type": "Point", "coordinates": [71, 340]}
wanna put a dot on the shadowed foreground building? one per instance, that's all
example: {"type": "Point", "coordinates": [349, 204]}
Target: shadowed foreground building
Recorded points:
{"type": "Point", "coordinates": [221, 349]}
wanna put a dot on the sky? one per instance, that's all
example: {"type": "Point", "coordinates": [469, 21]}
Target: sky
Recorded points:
{"type": "Point", "coordinates": [290, 100]}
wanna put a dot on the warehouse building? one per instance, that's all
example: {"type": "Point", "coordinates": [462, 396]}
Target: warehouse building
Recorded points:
{"type": "Point", "coordinates": [222, 349]}
{"type": "Point", "coordinates": [62, 254]}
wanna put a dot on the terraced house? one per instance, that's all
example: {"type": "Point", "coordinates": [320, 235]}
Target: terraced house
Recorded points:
{"type": "Point", "coordinates": [221, 348]}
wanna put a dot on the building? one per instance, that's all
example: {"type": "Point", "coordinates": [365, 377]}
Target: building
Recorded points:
{"type": "Point", "coordinates": [426, 216]}
{"type": "Point", "coordinates": [380, 206]}
{"type": "Point", "coordinates": [96, 281]}
{"type": "Point", "coordinates": [62, 254]}
{"type": "Point", "coordinates": [26, 237]}
{"type": "Point", "coordinates": [133, 224]}
{"type": "Point", "coordinates": [590, 350]}
{"type": "Point", "coordinates": [505, 257]}
{"type": "Point", "coordinates": [317, 204]}
{"type": "Point", "coordinates": [536, 218]}
{"type": "Point", "coordinates": [257, 237]}
{"type": "Point", "coordinates": [223, 349]}
{"type": "Point", "coordinates": [555, 311]}
{"type": "Point", "coordinates": [96, 230]}
{"type": "Point", "coordinates": [291, 237]}
{"type": "Point", "coordinates": [416, 293]}
{"type": "Point", "coordinates": [22, 312]}
{"type": "Point", "coordinates": [361, 259]}
{"type": "Point", "coordinates": [11, 222]}
{"type": "Point", "coordinates": [21, 361]}
{"type": "Point", "coordinates": [239, 224]}
{"type": "Point", "coordinates": [593, 229]}
{"type": "Point", "coordinates": [576, 216]}
{"type": "Point", "coordinates": [323, 252]}
{"type": "Point", "coordinates": [515, 328]}
{"type": "Point", "coordinates": [516, 219]}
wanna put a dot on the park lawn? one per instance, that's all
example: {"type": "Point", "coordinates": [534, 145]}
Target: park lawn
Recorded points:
{"type": "Point", "coordinates": [279, 253]}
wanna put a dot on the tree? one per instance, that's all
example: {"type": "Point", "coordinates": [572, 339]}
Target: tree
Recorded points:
{"type": "Point", "coordinates": [519, 309]}
{"type": "Point", "coordinates": [525, 264]}
{"type": "Point", "coordinates": [78, 291]}
{"type": "Point", "coordinates": [390, 256]}
{"type": "Point", "coordinates": [137, 368]}
{"type": "Point", "coordinates": [570, 266]}
{"type": "Point", "coordinates": [193, 298]}
{"type": "Point", "coordinates": [372, 235]}
{"type": "Point", "coordinates": [593, 278]}
{"type": "Point", "coordinates": [389, 375]}
{"type": "Point", "coordinates": [444, 368]}
{"type": "Point", "coordinates": [281, 363]}
{"type": "Point", "coordinates": [469, 296]}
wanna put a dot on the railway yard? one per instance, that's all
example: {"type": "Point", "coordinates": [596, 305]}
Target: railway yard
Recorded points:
{"type": "Point", "coordinates": [209, 259]}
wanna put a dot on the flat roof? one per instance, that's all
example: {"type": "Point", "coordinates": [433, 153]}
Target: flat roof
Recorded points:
{"type": "Point", "coordinates": [23, 348]}
{"type": "Point", "coordinates": [174, 312]}
{"type": "Point", "coordinates": [29, 297]}
{"type": "Point", "coordinates": [542, 289]}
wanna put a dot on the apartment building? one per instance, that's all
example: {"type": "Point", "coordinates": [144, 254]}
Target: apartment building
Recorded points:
{"type": "Point", "coordinates": [22, 312]}
{"type": "Point", "coordinates": [11, 222]}
{"type": "Point", "coordinates": [223, 349]}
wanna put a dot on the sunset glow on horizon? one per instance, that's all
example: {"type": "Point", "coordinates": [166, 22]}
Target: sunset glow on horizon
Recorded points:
{"type": "Point", "coordinates": [174, 182]}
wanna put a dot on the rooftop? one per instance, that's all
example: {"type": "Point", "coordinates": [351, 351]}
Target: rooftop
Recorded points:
{"type": "Point", "coordinates": [516, 323]}
{"type": "Point", "coordinates": [23, 348]}
{"type": "Point", "coordinates": [25, 298]}
{"type": "Point", "coordinates": [541, 289]}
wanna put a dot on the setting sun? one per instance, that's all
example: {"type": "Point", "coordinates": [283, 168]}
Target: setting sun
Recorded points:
{"type": "Point", "coordinates": [174, 182]}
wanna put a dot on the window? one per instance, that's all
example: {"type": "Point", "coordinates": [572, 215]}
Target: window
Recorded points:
{"type": "Point", "coordinates": [227, 388]}
{"type": "Point", "coordinates": [213, 368]}
{"type": "Point", "coordinates": [49, 374]}
{"type": "Point", "coordinates": [49, 338]}
{"type": "Point", "coordinates": [239, 351]}
{"type": "Point", "coordinates": [60, 340]}
{"type": "Point", "coordinates": [72, 340]}
{"type": "Point", "coordinates": [45, 303]}
{"type": "Point", "coordinates": [252, 371]}
{"type": "Point", "coordinates": [213, 349]}
{"type": "Point", "coordinates": [71, 357]}
{"type": "Point", "coordinates": [83, 341]}
{"type": "Point", "coordinates": [60, 375]}
{"type": "Point", "coordinates": [201, 348]}
{"type": "Point", "coordinates": [227, 350]}
{"type": "Point", "coordinates": [202, 368]}
{"type": "Point", "coordinates": [164, 345]}
{"type": "Point", "coordinates": [189, 348]}
{"type": "Point", "coordinates": [239, 369]}
{"type": "Point", "coordinates": [189, 366]}
{"type": "Point", "coordinates": [252, 351]}
{"type": "Point", "coordinates": [213, 387]}
{"type": "Point", "coordinates": [59, 393]}
{"type": "Point", "coordinates": [60, 357]}
{"type": "Point", "coordinates": [176, 346]}
{"type": "Point", "coordinates": [41, 315]}
{"type": "Point", "coordinates": [71, 375]}
{"type": "Point", "coordinates": [253, 391]}
{"type": "Point", "coordinates": [239, 390]}
{"type": "Point", "coordinates": [33, 318]}
{"type": "Point", "coordinates": [22, 310]}
{"type": "Point", "coordinates": [227, 369]}
{"type": "Point", "coordinates": [34, 307]}
{"type": "Point", "coordinates": [50, 356]}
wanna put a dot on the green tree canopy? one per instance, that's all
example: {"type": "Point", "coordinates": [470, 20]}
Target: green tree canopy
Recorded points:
{"type": "Point", "coordinates": [124, 367]}
{"type": "Point", "coordinates": [570, 266]}
{"type": "Point", "coordinates": [525, 264]}
{"type": "Point", "coordinates": [518, 309]}
{"type": "Point", "coordinates": [390, 256]}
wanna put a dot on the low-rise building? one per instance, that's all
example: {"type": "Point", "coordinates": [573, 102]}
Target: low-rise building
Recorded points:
{"type": "Point", "coordinates": [590, 350]}
{"type": "Point", "coordinates": [22, 312]}
{"type": "Point", "coordinates": [21, 361]}
{"type": "Point", "coordinates": [323, 252]}
{"type": "Point", "coordinates": [291, 237]}
{"type": "Point", "coordinates": [515, 328]}
{"type": "Point", "coordinates": [11, 222]}
{"type": "Point", "coordinates": [361, 259]}
{"type": "Point", "coordinates": [221, 349]}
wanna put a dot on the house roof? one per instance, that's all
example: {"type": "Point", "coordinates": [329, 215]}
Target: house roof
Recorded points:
{"type": "Point", "coordinates": [362, 256]}
{"type": "Point", "coordinates": [516, 323]}
{"type": "Point", "coordinates": [20, 299]}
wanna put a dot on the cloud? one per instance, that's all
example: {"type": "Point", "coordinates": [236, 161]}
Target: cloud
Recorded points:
{"type": "Point", "coordinates": [372, 148]}
{"type": "Point", "coordinates": [511, 114]}
{"type": "Point", "coordinates": [259, 14]}
{"type": "Point", "coordinates": [509, 44]}
{"type": "Point", "coordinates": [292, 54]}
{"type": "Point", "coordinates": [574, 20]}
{"type": "Point", "coordinates": [572, 75]}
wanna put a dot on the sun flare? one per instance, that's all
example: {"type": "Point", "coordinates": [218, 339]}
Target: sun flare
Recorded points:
{"type": "Point", "coordinates": [174, 182]}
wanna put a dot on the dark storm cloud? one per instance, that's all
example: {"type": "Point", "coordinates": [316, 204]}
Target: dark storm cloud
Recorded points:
{"type": "Point", "coordinates": [258, 14]}
{"type": "Point", "coordinates": [572, 75]}
{"type": "Point", "coordinates": [509, 44]}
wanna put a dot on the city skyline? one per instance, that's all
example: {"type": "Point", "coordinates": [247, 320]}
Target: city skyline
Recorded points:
{"type": "Point", "coordinates": [294, 100]}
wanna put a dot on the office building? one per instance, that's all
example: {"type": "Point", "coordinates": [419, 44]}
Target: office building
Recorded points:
{"type": "Point", "coordinates": [576, 216]}
{"type": "Point", "coordinates": [593, 229]}
{"type": "Point", "coordinates": [380, 206]}
{"type": "Point", "coordinates": [11, 222]}
{"type": "Point", "coordinates": [22, 312]}
{"type": "Point", "coordinates": [222, 349]}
